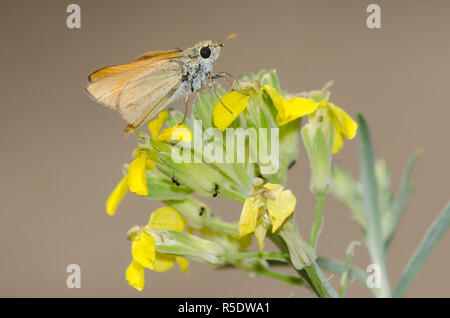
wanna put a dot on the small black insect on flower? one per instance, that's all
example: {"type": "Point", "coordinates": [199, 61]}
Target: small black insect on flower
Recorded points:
{"type": "Point", "coordinates": [216, 190]}
{"type": "Point", "coordinates": [175, 181]}
{"type": "Point", "coordinates": [202, 210]}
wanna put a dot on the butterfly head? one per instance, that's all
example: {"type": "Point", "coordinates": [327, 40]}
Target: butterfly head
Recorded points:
{"type": "Point", "coordinates": [209, 51]}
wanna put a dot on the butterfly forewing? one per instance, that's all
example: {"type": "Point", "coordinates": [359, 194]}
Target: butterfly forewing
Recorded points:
{"type": "Point", "coordinates": [143, 59]}
{"type": "Point", "coordinates": [107, 88]}
{"type": "Point", "coordinates": [158, 55]}
{"type": "Point", "coordinates": [147, 80]}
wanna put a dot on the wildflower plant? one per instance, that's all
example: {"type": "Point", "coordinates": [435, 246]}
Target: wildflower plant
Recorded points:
{"type": "Point", "coordinates": [180, 161]}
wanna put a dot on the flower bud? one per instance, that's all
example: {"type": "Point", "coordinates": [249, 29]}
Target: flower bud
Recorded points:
{"type": "Point", "coordinates": [300, 252]}
{"type": "Point", "coordinates": [192, 210]}
{"type": "Point", "coordinates": [163, 188]}
{"type": "Point", "coordinates": [186, 245]}
{"type": "Point", "coordinates": [318, 136]}
{"type": "Point", "coordinates": [200, 177]}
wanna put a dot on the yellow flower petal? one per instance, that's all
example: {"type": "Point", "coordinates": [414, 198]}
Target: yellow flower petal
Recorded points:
{"type": "Point", "coordinates": [155, 125]}
{"type": "Point", "coordinates": [143, 250]}
{"type": "Point", "coordinates": [298, 107]}
{"type": "Point", "coordinates": [183, 263]}
{"type": "Point", "coordinates": [291, 109]}
{"type": "Point", "coordinates": [236, 102]}
{"type": "Point", "coordinates": [163, 262]}
{"type": "Point", "coordinates": [260, 234]}
{"type": "Point", "coordinates": [274, 188]}
{"type": "Point", "coordinates": [137, 177]}
{"type": "Point", "coordinates": [135, 275]}
{"type": "Point", "coordinates": [280, 208]}
{"type": "Point", "coordinates": [249, 216]}
{"type": "Point", "coordinates": [177, 133]}
{"type": "Point", "coordinates": [244, 242]}
{"type": "Point", "coordinates": [338, 140]}
{"type": "Point", "coordinates": [116, 196]}
{"type": "Point", "coordinates": [346, 123]}
{"type": "Point", "coordinates": [276, 97]}
{"type": "Point", "coordinates": [167, 218]}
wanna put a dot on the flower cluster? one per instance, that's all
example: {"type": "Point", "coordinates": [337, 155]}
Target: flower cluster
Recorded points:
{"type": "Point", "coordinates": [143, 247]}
{"type": "Point", "coordinates": [255, 101]}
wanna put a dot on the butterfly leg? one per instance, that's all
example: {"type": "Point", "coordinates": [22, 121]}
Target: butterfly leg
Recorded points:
{"type": "Point", "coordinates": [186, 106]}
{"type": "Point", "coordinates": [222, 75]}
{"type": "Point", "coordinates": [232, 84]}
{"type": "Point", "coordinates": [213, 88]}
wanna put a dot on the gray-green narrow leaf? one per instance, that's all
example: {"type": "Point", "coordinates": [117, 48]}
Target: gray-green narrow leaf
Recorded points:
{"type": "Point", "coordinates": [420, 256]}
{"type": "Point", "coordinates": [402, 197]}
{"type": "Point", "coordinates": [374, 236]}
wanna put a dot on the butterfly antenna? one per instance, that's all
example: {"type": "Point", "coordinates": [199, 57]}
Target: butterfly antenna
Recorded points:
{"type": "Point", "coordinates": [231, 36]}
{"type": "Point", "coordinates": [327, 86]}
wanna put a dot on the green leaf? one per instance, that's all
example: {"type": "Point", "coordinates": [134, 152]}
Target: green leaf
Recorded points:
{"type": "Point", "coordinates": [420, 256]}
{"type": "Point", "coordinates": [385, 195]}
{"type": "Point", "coordinates": [374, 236]}
{"type": "Point", "coordinates": [348, 261]}
{"type": "Point", "coordinates": [346, 189]}
{"type": "Point", "coordinates": [402, 198]}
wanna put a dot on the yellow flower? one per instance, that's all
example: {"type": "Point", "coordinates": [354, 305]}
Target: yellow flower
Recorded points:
{"type": "Point", "coordinates": [287, 111]}
{"type": "Point", "coordinates": [236, 103]}
{"type": "Point", "coordinates": [167, 218]}
{"type": "Point", "coordinates": [117, 196]}
{"type": "Point", "coordinates": [135, 180]}
{"type": "Point", "coordinates": [143, 248]}
{"type": "Point", "coordinates": [137, 177]}
{"type": "Point", "coordinates": [135, 275]}
{"type": "Point", "coordinates": [268, 206]}
{"type": "Point", "coordinates": [176, 133]}
{"type": "Point", "coordinates": [344, 125]}
{"type": "Point", "coordinates": [297, 107]}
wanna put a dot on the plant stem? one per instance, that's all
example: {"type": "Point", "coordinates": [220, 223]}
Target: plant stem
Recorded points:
{"type": "Point", "coordinates": [251, 256]}
{"type": "Point", "coordinates": [221, 226]}
{"type": "Point", "coordinates": [261, 270]}
{"type": "Point", "coordinates": [321, 284]}
{"type": "Point", "coordinates": [316, 228]}
{"type": "Point", "coordinates": [311, 275]}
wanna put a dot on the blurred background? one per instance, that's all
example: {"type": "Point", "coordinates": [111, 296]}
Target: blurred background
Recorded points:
{"type": "Point", "coordinates": [61, 153]}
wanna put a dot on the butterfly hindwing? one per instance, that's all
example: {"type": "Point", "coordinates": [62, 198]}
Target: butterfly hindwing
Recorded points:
{"type": "Point", "coordinates": [149, 91]}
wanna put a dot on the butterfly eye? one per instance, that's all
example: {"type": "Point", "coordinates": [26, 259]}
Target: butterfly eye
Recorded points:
{"type": "Point", "coordinates": [205, 52]}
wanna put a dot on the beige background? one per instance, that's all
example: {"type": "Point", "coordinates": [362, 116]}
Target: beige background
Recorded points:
{"type": "Point", "coordinates": [61, 153]}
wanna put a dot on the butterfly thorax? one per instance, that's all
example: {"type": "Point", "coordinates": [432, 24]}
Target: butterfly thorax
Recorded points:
{"type": "Point", "coordinates": [196, 73]}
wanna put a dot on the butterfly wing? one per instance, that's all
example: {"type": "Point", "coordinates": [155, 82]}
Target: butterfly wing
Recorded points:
{"type": "Point", "coordinates": [106, 83]}
{"type": "Point", "coordinates": [106, 88]}
{"type": "Point", "coordinates": [141, 60]}
{"type": "Point", "coordinates": [158, 55]}
{"type": "Point", "coordinates": [149, 91]}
